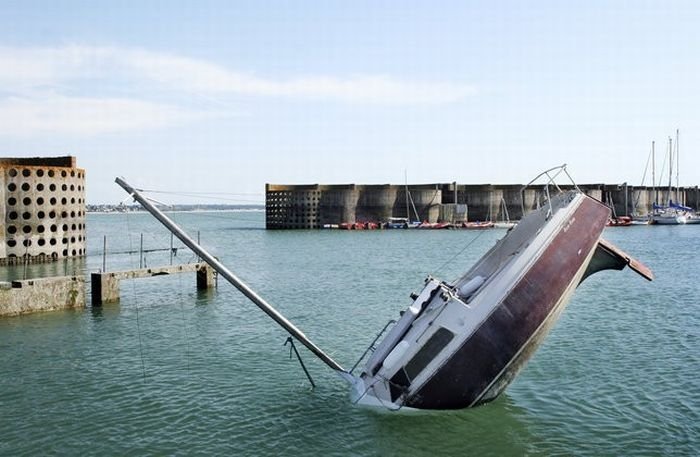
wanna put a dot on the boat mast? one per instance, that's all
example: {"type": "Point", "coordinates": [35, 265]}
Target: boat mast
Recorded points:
{"type": "Point", "coordinates": [653, 173]}
{"type": "Point", "coordinates": [408, 208]}
{"type": "Point", "coordinates": [229, 276]}
{"type": "Point", "coordinates": [670, 167]}
{"type": "Point", "coordinates": [678, 169]}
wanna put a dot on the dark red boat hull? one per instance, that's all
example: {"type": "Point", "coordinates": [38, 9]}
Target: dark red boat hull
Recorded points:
{"type": "Point", "coordinates": [494, 352]}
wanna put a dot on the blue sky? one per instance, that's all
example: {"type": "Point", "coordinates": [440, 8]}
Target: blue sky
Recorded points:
{"type": "Point", "coordinates": [222, 97]}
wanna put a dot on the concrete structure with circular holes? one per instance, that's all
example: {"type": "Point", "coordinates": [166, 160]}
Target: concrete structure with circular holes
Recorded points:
{"type": "Point", "coordinates": [43, 202]}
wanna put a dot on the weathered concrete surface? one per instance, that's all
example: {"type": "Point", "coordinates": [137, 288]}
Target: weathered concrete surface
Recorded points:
{"type": "Point", "coordinates": [105, 286]}
{"type": "Point", "coordinates": [43, 294]}
{"type": "Point", "coordinates": [314, 205]}
{"type": "Point", "coordinates": [42, 201]}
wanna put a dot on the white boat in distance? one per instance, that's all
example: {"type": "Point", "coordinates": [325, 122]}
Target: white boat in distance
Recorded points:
{"type": "Point", "coordinates": [460, 344]}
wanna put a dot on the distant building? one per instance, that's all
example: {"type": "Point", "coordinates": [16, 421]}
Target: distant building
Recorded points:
{"type": "Point", "coordinates": [43, 201]}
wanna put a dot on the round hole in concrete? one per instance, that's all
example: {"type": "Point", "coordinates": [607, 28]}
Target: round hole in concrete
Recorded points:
{"type": "Point", "coordinates": [52, 187]}
{"type": "Point", "coordinates": [26, 187]}
{"type": "Point", "coordinates": [40, 201]}
{"type": "Point", "coordinates": [11, 243]}
{"type": "Point", "coordinates": [51, 173]}
{"type": "Point", "coordinates": [13, 215]}
{"type": "Point", "coordinates": [27, 201]}
{"type": "Point", "coordinates": [63, 173]}
{"type": "Point", "coordinates": [27, 229]}
{"type": "Point", "coordinates": [52, 241]}
{"type": "Point", "coordinates": [12, 187]}
{"type": "Point", "coordinates": [53, 200]}
{"type": "Point", "coordinates": [11, 229]}
{"type": "Point", "coordinates": [41, 214]}
{"type": "Point", "coordinates": [41, 229]}
{"type": "Point", "coordinates": [40, 187]}
{"type": "Point", "coordinates": [40, 172]}
{"type": "Point", "coordinates": [26, 215]}
{"type": "Point", "coordinates": [12, 201]}
{"type": "Point", "coordinates": [54, 227]}
{"type": "Point", "coordinates": [12, 172]}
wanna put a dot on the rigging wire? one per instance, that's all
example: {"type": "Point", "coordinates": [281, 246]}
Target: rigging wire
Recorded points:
{"type": "Point", "coordinates": [184, 324]}
{"type": "Point", "coordinates": [136, 300]}
{"type": "Point", "coordinates": [479, 235]}
{"type": "Point", "coordinates": [222, 196]}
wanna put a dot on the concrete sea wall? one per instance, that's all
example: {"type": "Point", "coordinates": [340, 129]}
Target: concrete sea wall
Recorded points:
{"type": "Point", "coordinates": [315, 205]}
{"type": "Point", "coordinates": [43, 294]}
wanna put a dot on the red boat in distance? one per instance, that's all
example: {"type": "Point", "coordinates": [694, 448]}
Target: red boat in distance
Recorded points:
{"type": "Point", "coordinates": [622, 221]}
{"type": "Point", "coordinates": [478, 225]}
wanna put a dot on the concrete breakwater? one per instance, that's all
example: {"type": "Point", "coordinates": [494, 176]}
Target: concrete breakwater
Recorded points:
{"type": "Point", "coordinates": [315, 205]}
{"type": "Point", "coordinates": [41, 294]}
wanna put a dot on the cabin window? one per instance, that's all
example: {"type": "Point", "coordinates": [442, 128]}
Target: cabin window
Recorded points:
{"type": "Point", "coordinates": [427, 353]}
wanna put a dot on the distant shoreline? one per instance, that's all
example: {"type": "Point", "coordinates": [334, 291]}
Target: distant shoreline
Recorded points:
{"type": "Point", "coordinates": [114, 209]}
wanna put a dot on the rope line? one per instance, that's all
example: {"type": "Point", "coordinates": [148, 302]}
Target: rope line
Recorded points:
{"type": "Point", "coordinates": [136, 301]}
{"type": "Point", "coordinates": [479, 235]}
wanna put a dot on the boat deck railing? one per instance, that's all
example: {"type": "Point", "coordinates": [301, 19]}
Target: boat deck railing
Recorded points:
{"type": "Point", "coordinates": [552, 174]}
{"type": "Point", "coordinates": [372, 346]}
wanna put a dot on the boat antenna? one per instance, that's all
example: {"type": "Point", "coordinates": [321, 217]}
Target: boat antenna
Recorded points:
{"type": "Point", "coordinates": [230, 277]}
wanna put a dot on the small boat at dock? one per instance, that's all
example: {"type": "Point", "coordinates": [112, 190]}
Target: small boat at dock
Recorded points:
{"type": "Point", "coordinates": [478, 225]}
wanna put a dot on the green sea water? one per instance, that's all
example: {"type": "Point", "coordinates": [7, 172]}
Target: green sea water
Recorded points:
{"type": "Point", "coordinates": [173, 371]}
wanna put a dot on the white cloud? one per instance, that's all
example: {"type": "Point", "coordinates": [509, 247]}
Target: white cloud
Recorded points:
{"type": "Point", "coordinates": [20, 67]}
{"type": "Point", "coordinates": [84, 116]}
{"type": "Point", "coordinates": [86, 87]}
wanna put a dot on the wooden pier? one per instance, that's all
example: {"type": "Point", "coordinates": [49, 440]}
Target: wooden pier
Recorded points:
{"type": "Point", "coordinates": [105, 286]}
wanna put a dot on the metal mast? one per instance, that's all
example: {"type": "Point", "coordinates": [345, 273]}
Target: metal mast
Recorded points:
{"type": "Point", "coordinates": [229, 276]}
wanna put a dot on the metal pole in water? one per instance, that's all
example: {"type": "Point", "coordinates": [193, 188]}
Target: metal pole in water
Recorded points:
{"type": "Point", "coordinates": [104, 254]}
{"type": "Point", "coordinates": [141, 252]}
{"type": "Point", "coordinates": [230, 277]}
{"type": "Point", "coordinates": [171, 248]}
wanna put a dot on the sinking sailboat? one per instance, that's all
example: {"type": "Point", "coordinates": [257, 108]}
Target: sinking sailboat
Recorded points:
{"type": "Point", "coordinates": [460, 344]}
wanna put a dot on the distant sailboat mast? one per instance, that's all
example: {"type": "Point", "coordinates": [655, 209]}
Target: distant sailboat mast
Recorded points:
{"type": "Point", "coordinates": [653, 173]}
{"type": "Point", "coordinates": [678, 170]}
{"type": "Point", "coordinates": [670, 168]}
